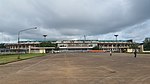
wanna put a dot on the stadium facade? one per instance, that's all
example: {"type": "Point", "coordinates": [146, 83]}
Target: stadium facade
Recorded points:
{"type": "Point", "coordinates": [66, 45]}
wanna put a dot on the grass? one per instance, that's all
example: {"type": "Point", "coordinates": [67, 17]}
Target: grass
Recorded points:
{"type": "Point", "coordinates": [4, 59]}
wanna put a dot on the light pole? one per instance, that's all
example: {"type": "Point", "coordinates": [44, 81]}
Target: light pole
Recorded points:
{"type": "Point", "coordinates": [116, 42]}
{"type": "Point", "coordinates": [19, 32]}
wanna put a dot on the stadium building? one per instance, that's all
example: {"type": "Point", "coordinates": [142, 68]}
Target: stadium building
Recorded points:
{"type": "Point", "coordinates": [72, 45]}
{"type": "Point", "coordinates": [106, 45]}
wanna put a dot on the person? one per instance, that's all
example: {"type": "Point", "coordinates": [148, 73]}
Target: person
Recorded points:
{"type": "Point", "coordinates": [110, 53]}
{"type": "Point", "coordinates": [135, 53]}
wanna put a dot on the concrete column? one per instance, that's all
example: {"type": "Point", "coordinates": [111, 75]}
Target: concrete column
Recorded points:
{"type": "Point", "coordinates": [112, 47]}
{"type": "Point", "coordinates": [29, 49]}
{"type": "Point", "coordinates": [142, 48]}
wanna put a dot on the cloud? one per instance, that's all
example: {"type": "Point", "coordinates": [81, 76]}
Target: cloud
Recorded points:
{"type": "Point", "coordinates": [71, 19]}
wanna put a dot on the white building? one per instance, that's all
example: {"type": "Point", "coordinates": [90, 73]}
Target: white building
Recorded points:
{"type": "Point", "coordinates": [107, 45]}
{"type": "Point", "coordinates": [75, 44]}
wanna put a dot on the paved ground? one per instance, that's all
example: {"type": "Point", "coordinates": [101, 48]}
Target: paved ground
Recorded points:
{"type": "Point", "coordinates": [78, 68]}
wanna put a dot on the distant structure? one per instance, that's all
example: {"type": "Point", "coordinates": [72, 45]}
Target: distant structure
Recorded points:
{"type": "Point", "coordinates": [28, 47]}
{"type": "Point", "coordinates": [105, 45]}
{"type": "Point", "coordinates": [44, 37]}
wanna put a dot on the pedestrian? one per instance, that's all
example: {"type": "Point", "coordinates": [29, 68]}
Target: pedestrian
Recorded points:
{"type": "Point", "coordinates": [110, 53]}
{"type": "Point", "coordinates": [135, 53]}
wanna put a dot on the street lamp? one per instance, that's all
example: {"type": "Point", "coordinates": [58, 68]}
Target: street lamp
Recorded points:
{"type": "Point", "coordinates": [116, 42]}
{"type": "Point", "coordinates": [19, 32]}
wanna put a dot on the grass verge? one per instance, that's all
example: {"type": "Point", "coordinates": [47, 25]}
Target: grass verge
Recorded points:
{"type": "Point", "coordinates": [4, 59]}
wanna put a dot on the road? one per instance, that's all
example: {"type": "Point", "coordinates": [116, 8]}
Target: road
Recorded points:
{"type": "Point", "coordinates": [78, 68]}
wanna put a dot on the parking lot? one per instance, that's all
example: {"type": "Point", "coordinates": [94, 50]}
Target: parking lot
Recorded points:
{"type": "Point", "coordinates": [79, 68]}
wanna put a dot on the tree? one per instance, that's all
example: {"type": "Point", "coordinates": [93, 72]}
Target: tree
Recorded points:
{"type": "Point", "coordinates": [96, 48]}
{"type": "Point", "coordinates": [134, 45]}
{"type": "Point", "coordinates": [146, 44]}
{"type": "Point", "coordinates": [47, 44]}
{"type": "Point", "coordinates": [2, 45]}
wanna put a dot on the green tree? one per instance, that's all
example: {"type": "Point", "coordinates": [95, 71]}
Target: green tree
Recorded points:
{"type": "Point", "coordinates": [2, 45]}
{"type": "Point", "coordinates": [146, 44]}
{"type": "Point", "coordinates": [134, 45]}
{"type": "Point", "coordinates": [46, 44]}
{"type": "Point", "coordinates": [96, 48]}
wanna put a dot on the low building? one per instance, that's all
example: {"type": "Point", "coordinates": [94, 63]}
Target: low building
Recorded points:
{"type": "Point", "coordinates": [28, 47]}
{"type": "Point", "coordinates": [22, 47]}
{"type": "Point", "coordinates": [41, 49]}
{"type": "Point", "coordinates": [115, 46]}
{"type": "Point", "coordinates": [76, 44]}
{"type": "Point", "coordinates": [106, 45]}
{"type": "Point", "coordinates": [81, 45]}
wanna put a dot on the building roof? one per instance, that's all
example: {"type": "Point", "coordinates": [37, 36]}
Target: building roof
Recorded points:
{"type": "Point", "coordinates": [114, 41]}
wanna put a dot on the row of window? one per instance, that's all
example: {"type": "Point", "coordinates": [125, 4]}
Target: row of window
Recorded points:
{"type": "Point", "coordinates": [114, 45]}
{"type": "Point", "coordinates": [77, 45]}
{"type": "Point", "coordinates": [90, 45]}
{"type": "Point", "coordinates": [16, 47]}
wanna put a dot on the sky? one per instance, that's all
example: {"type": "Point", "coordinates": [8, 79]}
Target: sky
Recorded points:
{"type": "Point", "coordinates": [72, 19]}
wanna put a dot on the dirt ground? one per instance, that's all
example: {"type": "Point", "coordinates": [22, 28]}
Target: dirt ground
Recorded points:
{"type": "Point", "coordinates": [79, 68]}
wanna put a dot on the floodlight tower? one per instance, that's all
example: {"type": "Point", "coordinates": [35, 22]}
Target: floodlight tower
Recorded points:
{"type": "Point", "coordinates": [44, 37]}
{"type": "Point", "coordinates": [116, 42]}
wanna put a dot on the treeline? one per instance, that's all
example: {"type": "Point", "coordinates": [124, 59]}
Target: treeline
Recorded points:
{"type": "Point", "coordinates": [47, 44]}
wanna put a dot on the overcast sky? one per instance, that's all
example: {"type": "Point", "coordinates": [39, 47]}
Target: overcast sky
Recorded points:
{"type": "Point", "coordinates": [72, 19]}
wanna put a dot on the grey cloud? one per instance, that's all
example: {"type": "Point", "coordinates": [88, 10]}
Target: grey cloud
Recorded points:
{"type": "Point", "coordinates": [64, 18]}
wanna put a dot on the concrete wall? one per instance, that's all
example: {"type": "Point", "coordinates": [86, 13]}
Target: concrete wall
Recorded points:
{"type": "Point", "coordinates": [132, 50]}
{"type": "Point", "coordinates": [143, 50]}
{"type": "Point", "coordinates": [39, 49]}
